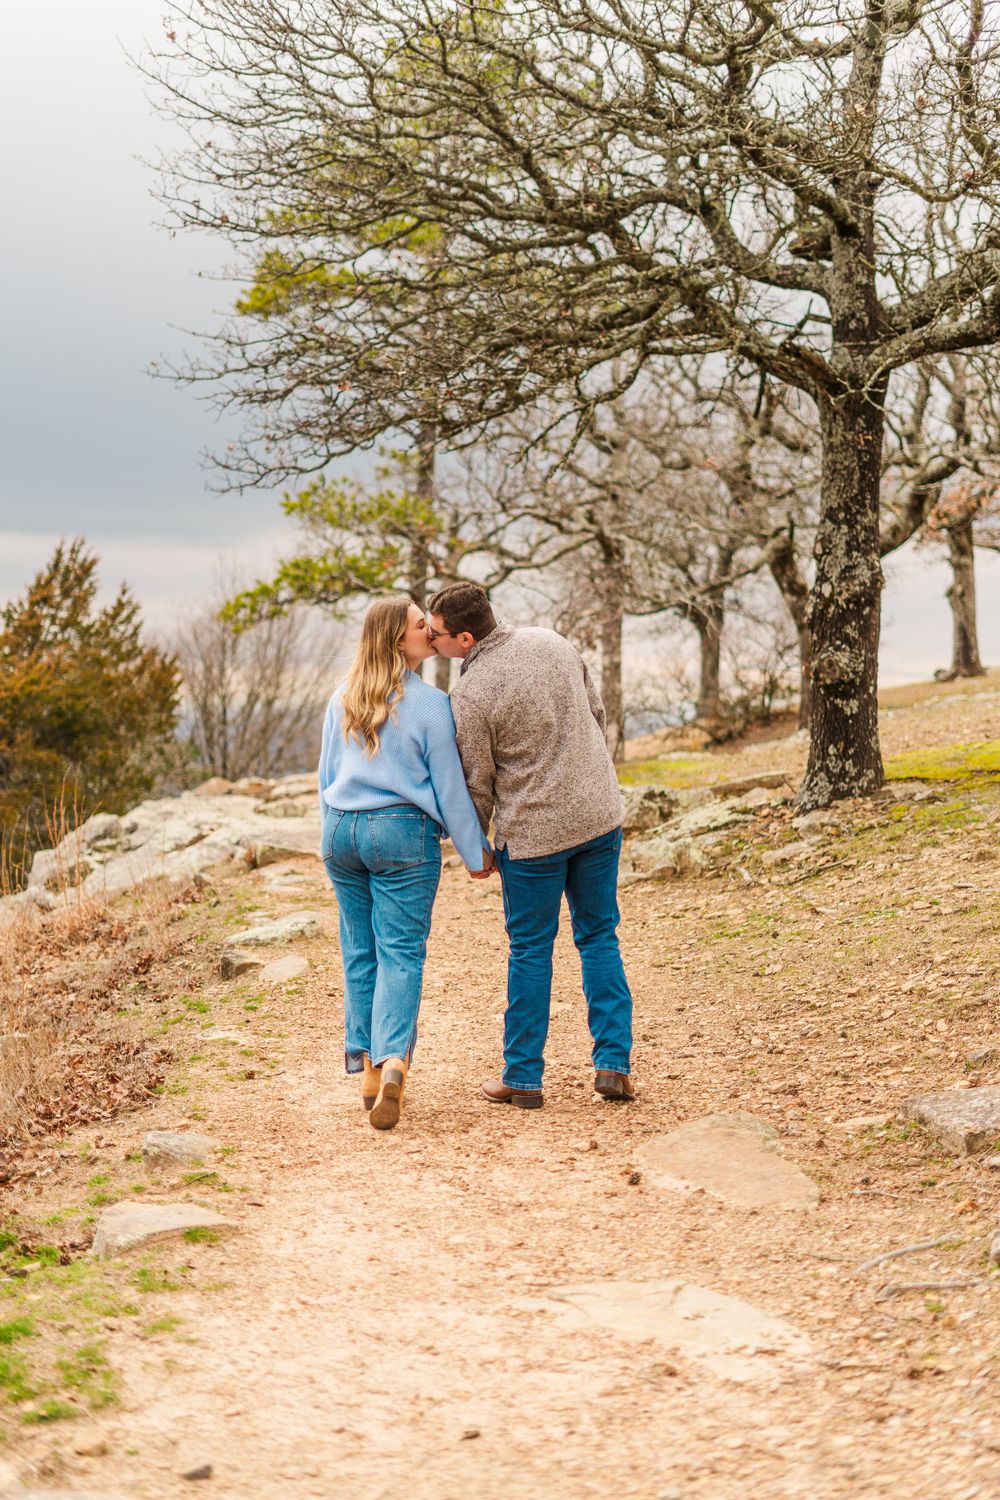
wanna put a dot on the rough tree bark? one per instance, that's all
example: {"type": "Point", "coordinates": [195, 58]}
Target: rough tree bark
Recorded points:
{"type": "Point", "coordinates": [708, 620]}
{"type": "Point", "coordinates": [794, 590]}
{"type": "Point", "coordinates": [961, 595]}
{"type": "Point", "coordinates": [613, 585]}
{"type": "Point", "coordinates": [844, 607]}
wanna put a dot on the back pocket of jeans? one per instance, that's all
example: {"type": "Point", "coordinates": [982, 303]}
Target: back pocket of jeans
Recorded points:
{"type": "Point", "coordinates": [397, 839]}
{"type": "Point", "coordinates": [331, 822]}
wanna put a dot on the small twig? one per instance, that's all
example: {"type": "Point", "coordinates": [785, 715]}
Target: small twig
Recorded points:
{"type": "Point", "coordinates": [877, 1260]}
{"type": "Point", "coordinates": [894, 1289]}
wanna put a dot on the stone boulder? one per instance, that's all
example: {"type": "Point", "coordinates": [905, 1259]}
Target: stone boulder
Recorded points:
{"type": "Point", "coordinates": [645, 807]}
{"type": "Point", "coordinates": [734, 1157]}
{"type": "Point", "coordinates": [251, 786]}
{"type": "Point", "coordinates": [683, 844]}
{"type": "Point", "coordinates": [281, 970]}
{"type": "Point", "coordinates": [175, 837]}
{"type": "Point", "coordinates": [162, 1149]}
{"type": "Point", "coordinates": [215, 786]}
{"type": "Point", "coordinates": [304, 924]}
{"type": "Point", "coordinates": [129, 1226]}
{"type": "Point", "coordinates": [234, 963]}
{"type": "Point", "coordinates": [300, 785]}
{"type": "Point", "coordinates": [738, 786]}
{"type": "Point", "coordinates": [963, 1120]}
{"type": "Point", "coordinates": [729, 1338]}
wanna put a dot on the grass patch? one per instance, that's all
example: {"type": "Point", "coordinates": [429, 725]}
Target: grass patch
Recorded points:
{"type": "Point", "coordinates": [202, 1236]}
{"type": "Point", "coordinates": [167, 1324]}
{"type": "Point", "coordinates": [88, 1373]}
{"type": "Point", "coordinates": [17, 1328]}
{"type": "Point", "coordinates": [15, 1385]}
{"type": "Point", "coordinates": [152, 1279]}
{"type": "Point", "coordinates": [678, 771]}
{"type": "Point", "coordinates": [52, 1410]}
{"type": "Point", "coordinates": [947, 763]}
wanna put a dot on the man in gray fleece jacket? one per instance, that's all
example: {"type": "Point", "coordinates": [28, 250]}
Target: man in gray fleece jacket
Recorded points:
{"type": "Point", "coordinates": [531, 736]}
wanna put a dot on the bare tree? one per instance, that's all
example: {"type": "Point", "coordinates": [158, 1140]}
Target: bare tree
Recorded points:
{"type": "Point", "coordinates": [253, 698]}
{"type": "Point", "coordinates": [811, 186]}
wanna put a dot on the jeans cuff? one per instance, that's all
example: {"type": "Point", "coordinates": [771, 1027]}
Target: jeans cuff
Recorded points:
{"type": "Point", "coordinates": [522, 1088]}
{"type": "Point", "coordinates": [616, 1065]}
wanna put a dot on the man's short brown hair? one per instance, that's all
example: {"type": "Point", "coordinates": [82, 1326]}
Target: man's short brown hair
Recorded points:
{"type": "Point", "coordinates": [464, 606]}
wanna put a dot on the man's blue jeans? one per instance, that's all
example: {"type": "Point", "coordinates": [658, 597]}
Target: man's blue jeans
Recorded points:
{"type": "Point", "coordinates": [532, 894]}
{"type": "Point", "coordinates": [385, 867]}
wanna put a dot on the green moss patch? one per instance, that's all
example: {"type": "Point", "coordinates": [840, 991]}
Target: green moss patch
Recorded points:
{"type": "Point", "coordinates": [947, 763]}
{"type": "Point", "coordinates": [672, 771]}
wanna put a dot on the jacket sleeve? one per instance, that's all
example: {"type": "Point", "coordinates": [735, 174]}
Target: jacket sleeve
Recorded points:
{"type": "Point", "coordinates": [475, 745]}
{"type": "Point", "coordinates": [452, 794]}
{"type": "Point", "coordinates": [594, 699]}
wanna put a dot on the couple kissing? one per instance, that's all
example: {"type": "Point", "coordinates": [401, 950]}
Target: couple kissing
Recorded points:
{"type": "Point", "coordinates": [520, 744]}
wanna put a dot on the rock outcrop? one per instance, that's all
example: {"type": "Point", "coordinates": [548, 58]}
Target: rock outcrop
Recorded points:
{"type": "Point", "coordinates": [177, 837]}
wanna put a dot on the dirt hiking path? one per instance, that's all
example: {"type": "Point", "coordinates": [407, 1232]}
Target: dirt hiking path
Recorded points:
{"type": "Point", "coordinates": [397, 1314]}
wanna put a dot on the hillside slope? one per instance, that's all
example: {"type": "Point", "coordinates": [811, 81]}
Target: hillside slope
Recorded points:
{"type": "Point", "coordinates": [484, 1298]}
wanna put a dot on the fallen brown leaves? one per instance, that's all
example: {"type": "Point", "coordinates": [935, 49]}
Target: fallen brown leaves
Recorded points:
{"type": "Point", "coordinates": [69, 1051]}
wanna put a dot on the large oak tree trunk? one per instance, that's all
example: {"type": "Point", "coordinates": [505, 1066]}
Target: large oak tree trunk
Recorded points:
{"type": "Point", "coordinates": [961, 596]}
{"type": "Point", "coordinates": [844, 609]}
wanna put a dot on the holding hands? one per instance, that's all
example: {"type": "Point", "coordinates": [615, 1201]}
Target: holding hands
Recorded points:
{"type": "Point", "coordinates": [489, 866]}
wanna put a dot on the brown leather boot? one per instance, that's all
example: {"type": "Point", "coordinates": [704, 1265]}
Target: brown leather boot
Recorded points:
{"type": "Point", "coordinates": [615, 1086]}
{"type": "Point", "coordinates": [499, 1093]}
{"type": "Point", "coordinates": [369, 1083]}
{"type": "Point", "coordinates": [385, 1111]}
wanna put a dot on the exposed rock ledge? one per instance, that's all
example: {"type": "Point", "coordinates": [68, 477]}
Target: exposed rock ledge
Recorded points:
{"type": "Point", "coordinates": [177, 837]}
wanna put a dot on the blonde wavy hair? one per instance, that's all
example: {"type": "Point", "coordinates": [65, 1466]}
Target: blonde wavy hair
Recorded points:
{"type": "Point", "coordinates": [374, 684]}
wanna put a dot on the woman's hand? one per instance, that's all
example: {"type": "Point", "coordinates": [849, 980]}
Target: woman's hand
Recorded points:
{"type": "Point", "coordinates": [489, 865]}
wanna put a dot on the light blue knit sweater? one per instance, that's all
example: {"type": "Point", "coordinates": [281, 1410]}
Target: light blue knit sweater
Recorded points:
{"type": "Point", "coordinates": [417, 762]}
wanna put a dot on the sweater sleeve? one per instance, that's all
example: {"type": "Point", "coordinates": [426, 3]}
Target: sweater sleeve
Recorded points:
{"type": "Point", "coordinates": [451, 792]}
{"type": "Point", "coordinates": [325, 772]}
{"type": "Point", "coordinates": [594, 699]}
{"type": "Point", "coordinates": [475, 746]}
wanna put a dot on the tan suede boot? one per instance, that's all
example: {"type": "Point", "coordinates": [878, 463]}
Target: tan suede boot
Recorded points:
{"type": "Point", "coordinates": [370, 1081]}
{"type": "Point", "coordinates": [392, 1085]}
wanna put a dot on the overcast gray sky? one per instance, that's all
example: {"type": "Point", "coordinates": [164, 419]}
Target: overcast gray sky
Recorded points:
{"type": "Point", "coordinates": [94, 290]}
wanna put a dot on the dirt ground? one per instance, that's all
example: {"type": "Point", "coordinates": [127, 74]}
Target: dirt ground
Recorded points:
{"type": "Point", "coordinates": [387, 1319]}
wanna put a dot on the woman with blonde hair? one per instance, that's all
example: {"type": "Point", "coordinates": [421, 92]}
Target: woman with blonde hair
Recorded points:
{"type": "Point", "coordinates": [390, 782]}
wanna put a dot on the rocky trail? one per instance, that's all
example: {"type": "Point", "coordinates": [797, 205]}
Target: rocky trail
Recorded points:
{"type": "Point", "coordinates": [769, 1276]}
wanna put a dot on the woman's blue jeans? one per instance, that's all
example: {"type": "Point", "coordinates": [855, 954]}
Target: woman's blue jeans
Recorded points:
{"type": "Point", "coordinates": [384, 867]}
{"type": "Point", "coordinates": [532, 895]}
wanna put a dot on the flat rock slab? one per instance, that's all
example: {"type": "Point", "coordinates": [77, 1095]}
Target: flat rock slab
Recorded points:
{"type": "Point", "coordinates": [175, 1148]}
{"type": "Point", "coordinates": [282, 930]}
{"type": "Point", "coordinates": [279, 970]}
{"type": "Point", "coordinates": [128, 1226]}
{"type": "Point", "coordinates": [730, 1338]}
{"type": "Point", "coordinates": [734, 1157]}
{"type": "Point", "coordinates": [235, 962]}
{"type": "Point", "coordinates": [963, 1120]}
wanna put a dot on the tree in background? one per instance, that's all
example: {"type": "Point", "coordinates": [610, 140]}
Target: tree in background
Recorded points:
{"type": "Point", "coordinates": [959, 445]}
{"type": "Point", "coordinates": [811, 187]}
{"type": "Point", "coordinates": [359, 540]}
{"type": "Point", "coordinates": [253, 698]}
{"type": "Point", "coordinates": [87, 709]}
